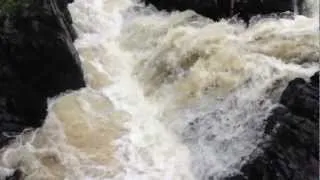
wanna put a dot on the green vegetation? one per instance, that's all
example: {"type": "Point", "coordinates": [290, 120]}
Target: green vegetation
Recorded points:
{"type": "Point", "coordinates": [11, 6]}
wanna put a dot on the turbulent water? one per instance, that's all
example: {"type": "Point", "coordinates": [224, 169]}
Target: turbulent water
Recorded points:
{"type": "Point", "coordinates": [169, 96]}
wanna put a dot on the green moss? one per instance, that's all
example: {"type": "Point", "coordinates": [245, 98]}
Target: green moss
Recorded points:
{"type": "Point", "coordinates": [11, 6]}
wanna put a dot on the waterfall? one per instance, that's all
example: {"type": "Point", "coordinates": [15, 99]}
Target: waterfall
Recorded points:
{"type": "Point", "coordinates": [169, 96]}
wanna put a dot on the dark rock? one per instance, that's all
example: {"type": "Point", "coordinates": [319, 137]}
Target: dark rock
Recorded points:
{"type": "Point", "coordinates": [302, 99]}
{"type": "Point", "coordinates": [37, 61]}
{"type": "Point", "coordinates": [17, 175]}
{"type": "Point", "coordinates": [315, 79]}
{"type": "Point", "coordinates": [292, 153]}
{"type": "Point", "coordinates": [217, 9]}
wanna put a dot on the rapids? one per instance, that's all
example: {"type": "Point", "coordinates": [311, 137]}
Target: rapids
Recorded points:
{"type": "Point", "coordinates": [169, 96]}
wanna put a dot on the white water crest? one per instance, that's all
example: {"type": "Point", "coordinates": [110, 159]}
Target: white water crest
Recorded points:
{"type": "Point", "coordinates": [169, 96]}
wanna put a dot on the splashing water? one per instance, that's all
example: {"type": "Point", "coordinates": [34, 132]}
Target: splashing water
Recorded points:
{"type": "Point", "coordinates": [169, 96]}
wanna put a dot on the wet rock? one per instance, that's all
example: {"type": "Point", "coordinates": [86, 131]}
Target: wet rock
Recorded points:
{"type": "Point", "coordinates": [302, 98]}
{"type": "Point", "coordinates": [17, 175]}
{"type": "Point", "coordinates": [217, 9]}
{"type": "Point", "coordinates": [315, 80]}
{"type": "Point", "coordinates": [292, 151]}
{"type": "Point", "coordinates": [37, 61]}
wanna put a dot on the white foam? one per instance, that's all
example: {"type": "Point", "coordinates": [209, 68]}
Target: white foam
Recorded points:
{"type": "Point", "coordinates": [170, 95]}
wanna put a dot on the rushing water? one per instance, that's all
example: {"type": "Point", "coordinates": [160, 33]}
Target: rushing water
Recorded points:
{"type": "Point", "coordinates": [169, 96]}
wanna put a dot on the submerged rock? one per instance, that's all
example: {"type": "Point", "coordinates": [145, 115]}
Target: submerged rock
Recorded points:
{"type": "Point", "coordinates": [292, 151]}
{"type": "Point", "coordinates": [37, 61]}
{"type": "Point", "coordinates": [217, 9]}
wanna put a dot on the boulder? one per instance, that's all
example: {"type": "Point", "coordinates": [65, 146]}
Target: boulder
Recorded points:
{"type": "Point", "coordinates": [292, 149]}
{"type": "Point", "coordinates": [37, 61]}
{"type": "Point", "coordinates": [217, 9]}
